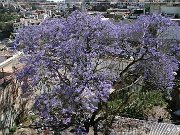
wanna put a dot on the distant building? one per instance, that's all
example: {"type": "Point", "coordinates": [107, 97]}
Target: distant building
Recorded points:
{"type": "Point", "coordinates": [25, 22]}
{"type": "Point", "coordinates": [170, 8]}
{"type": "Point", "coordinates": [71, 3]}
{"type": "Point", "coordinates": [61, 6]}
{"type": "Point", "coordinates": [6, 1]}
{"type": "Point", "coordinates": [32, 18]}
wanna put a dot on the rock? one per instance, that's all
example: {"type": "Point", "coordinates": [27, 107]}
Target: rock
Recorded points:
{"type": "Point", "coordinates": [25, 131]}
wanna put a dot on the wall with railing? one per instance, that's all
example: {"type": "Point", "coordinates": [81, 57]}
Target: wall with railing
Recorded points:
{"type": "Point", "coordinates": [9, 96]}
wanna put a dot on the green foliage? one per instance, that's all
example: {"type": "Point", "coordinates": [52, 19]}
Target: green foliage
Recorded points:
{"type": "Point", "coordinates": [6, 29]}
{"type": "Point", "coordinates": [134, 104]}
{"type": "Point", "coordinates": [5, 17]}
{"type": "Point", "coordinates": [177, 16]}
{"type": "Point", "coordinates": [33, 117]}
{"type": "Point", "coordinates": [117, 17]}
{"type": "Point", "coordinates": [8, 9]}
{"type": "Point", "coordinates": [34, 7]}
{"type": "Point", "coordinates": [147, 7]}
{"type": "Point", "coordinates": [6, 24]}
{"type": "Point", "coordinates": [30, 118]}
{"type": "Point", "coordinates": [12, 129]}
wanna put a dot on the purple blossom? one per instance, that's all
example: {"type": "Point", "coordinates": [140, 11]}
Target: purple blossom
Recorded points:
{"type": "Point", "coordinates": [62, 57]}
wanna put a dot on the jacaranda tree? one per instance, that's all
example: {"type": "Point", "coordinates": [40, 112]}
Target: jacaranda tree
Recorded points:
{"type": "Point", "coordinates": [63, 63]}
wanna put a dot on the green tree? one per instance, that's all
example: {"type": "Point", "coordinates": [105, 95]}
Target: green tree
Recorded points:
{"type": "Point", "coordinates": [5, 17]}
{"type": "Point", "coordinates": [147, 7]}
{"type": "Point", "coordinates": [6, 29]}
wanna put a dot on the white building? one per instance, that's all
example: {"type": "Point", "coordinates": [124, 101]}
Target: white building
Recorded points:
{"type": "Point", "coordinates": [169, 8]}
{"type": "Point", "coordinates": [6, 1]}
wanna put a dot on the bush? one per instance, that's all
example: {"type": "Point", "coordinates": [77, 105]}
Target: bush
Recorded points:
{"type": "Point", "coordinates": [5, 17]}
{"type": "Point", "coordinates": [138, 104]}
{"type": "Point", "coordinates": [12, 129]}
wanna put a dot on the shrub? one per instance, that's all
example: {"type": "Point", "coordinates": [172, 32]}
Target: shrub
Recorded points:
{"type": "Point", "coordinates": [138, 104]}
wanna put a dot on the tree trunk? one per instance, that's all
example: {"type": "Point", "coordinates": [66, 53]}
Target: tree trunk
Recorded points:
{"type": "Point", "coordinates": [56, 131]}
{"type": "Point", "coordinates": [95, 127]}
{"type": "Point", "coordinates": [106, 131]}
